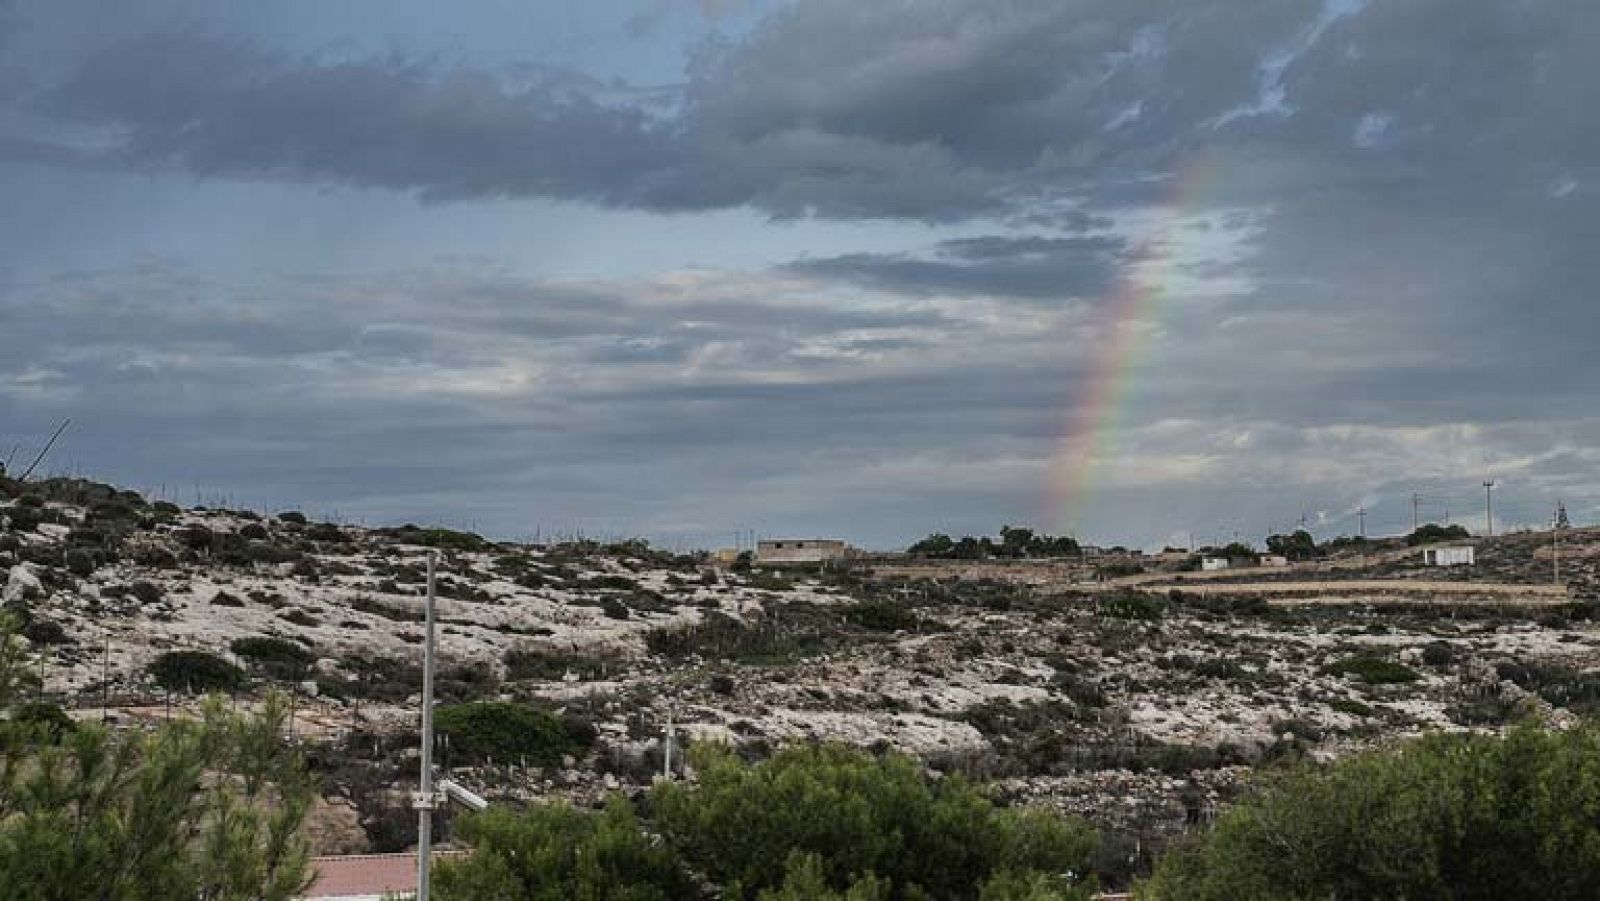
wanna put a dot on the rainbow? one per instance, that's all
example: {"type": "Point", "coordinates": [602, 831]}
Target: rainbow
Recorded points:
{"type": "Point", "coordinates": [1091, 432]}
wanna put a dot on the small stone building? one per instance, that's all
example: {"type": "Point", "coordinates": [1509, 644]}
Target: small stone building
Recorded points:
{"type": "Point", "coordinates": [801, 550]}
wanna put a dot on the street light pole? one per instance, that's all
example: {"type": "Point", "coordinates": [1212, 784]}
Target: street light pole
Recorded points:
{"type": "Point", "coordinates": [425, 800]}
{"type": "Point", "coordinates": [1488, 505]}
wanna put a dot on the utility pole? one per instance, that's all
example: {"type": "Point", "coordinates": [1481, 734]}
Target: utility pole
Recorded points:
{"type": "Point", "coordinates": [1416, 508]}
{"type": "Point", "coordinates": [1362, 513]}
{"type": "Point", "coordinates": [425, 800]}
{"type": "Point", "coordinates": [1488, 505]}
{"type": "Point", "coordinates": [1555, 546]}
{"type": "Point", "coordinates": [666, 756]}
{"type": "Point", "coordinates": [105, 682]}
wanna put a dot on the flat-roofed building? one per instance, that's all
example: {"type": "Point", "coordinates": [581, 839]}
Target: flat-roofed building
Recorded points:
{"type": "Point", "coordinates": [1464, 555]}
{"type": "Point", "coordinates": [801, 550]}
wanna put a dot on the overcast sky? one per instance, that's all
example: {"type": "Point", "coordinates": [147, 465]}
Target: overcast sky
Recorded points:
{"type": "Point", "coordinates": [1139, 270]}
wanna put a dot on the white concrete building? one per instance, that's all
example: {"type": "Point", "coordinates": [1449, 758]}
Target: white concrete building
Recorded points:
{"type": "Point", "coordinates": [1272, 560]}
{"type": "Point", "coordinates": [801, 550]}
{"type": "Point", "coordinates": [1214, 564]}
{"type": "Point", "coordinates": [1464, 555]}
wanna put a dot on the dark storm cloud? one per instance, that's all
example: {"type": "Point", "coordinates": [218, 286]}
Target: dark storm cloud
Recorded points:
{"type": "Point", "coordinates": [840, 108]}
{"type": "Point", "coordinates": [851, 109]}
{"type": "Point", "coordinates": [831, 108]}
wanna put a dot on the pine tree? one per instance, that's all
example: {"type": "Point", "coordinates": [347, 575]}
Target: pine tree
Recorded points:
{"type": "Point", "coordinates": [207, 810]}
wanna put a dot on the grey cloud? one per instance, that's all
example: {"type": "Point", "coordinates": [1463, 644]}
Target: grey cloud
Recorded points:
{"type": "Point", "coordinates": [1412, 231]}
{"type": "Point", "coordinates": [1034, 266]}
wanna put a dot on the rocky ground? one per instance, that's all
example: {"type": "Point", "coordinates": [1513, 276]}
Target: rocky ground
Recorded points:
{"type": "Point", "coordinates": [1145, 711]}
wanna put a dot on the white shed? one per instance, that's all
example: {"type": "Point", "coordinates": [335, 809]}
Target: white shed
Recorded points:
{"type": "Point", "coordinates": [1214, 564]}
{"type": "Point", "coordinates": [1450, 556]}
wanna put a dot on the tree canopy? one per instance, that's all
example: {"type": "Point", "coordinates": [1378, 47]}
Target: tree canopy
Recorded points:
{"type": "Point", "coordinates": [1432, 533]}
{"type": "Point", "coordinates": [1015, 542]}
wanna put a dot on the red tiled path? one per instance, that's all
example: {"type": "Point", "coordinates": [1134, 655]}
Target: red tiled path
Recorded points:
{"type": "Point", "coordinates": [367, 875]}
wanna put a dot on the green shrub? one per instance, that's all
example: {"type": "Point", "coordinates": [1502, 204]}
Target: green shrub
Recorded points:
{"type": "Point", "coordinates": [1372, 670]}
{"type": "Point", "coordinates": [1438, 654]}
{"type": "Point", "coordinates": [44, 719]}
{"type": "Point", "coordinates": [612, 582]}
{"type": "Point", "coordinates": [721, 637]}
{"type": "Point", "coordinates": [768, 581]}
{"type": "Point", "coordinates": [445, 539]}
{"type": "Point", "coordinates": [857, 814]}
{"type": "Point", "coordinates": [278, 656]}
{"type": "Point", "coordinates": [552, 852]}
{"type": "Point", "coordinates": [1133, 605]}
{"type": "Point", "coordinates": [544, 664]}
{"type": "Point", "coordinates": [881, 616]}
{"type": "Point", "coordinates": [80, 561]}
{"type": "Point", "coordinates": [195, 672]}
{"type": "Point", "coordinates": [504, 731]}
{"type": "Point", "coordinates": [1433, 533]}
{"type": "Point", "coordinates": [326, 531]}
{"type": "Point", "coordinates": [1351, 707]}
{"type": "Point", "coordinates": [1460, 816]}
{"type": "Point", "coordinates": [224, 599]}
{"type": "Point", "coordinates": [301, 618]}
{"type": "Point", "coordinates": [46, 632]}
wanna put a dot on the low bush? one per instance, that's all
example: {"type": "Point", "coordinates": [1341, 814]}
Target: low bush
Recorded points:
{"type": "Point", "coordinates": [1461, 816]}
{"type": "Point", "coordinates": [881, 616]}
{"type": "Point", "coordinates": [45, 632]}
{"type": "Point", "coordinates": [722, 637]}
{"type": "Point", "coordinates": [1350, 706]}
{"type": "Point", "coordinates": [1133, 605]}
{"type": "Point", "coordinates": [80, 561]}
{"type": "Point", "coordinates": [1438, 654]}
{"type": "Point", "coordinates": [858, 814]}
{"type": "Point", "coordinates": [524, 662]}
{"type": "Point", "coordinates": [553, 852]}
{"type": "Point", "coordinates": [44, 719]}
{"type": "Point", "coordinates": [195, 672]}
{"type": "Point", "coordinates": [1372, 670]}
{"type": "Point", "coordinates": [278, 657]}
{"type": "Point", "coordinates": [224, 599]}
{"type": "Point", "coordinates": [504, 731]}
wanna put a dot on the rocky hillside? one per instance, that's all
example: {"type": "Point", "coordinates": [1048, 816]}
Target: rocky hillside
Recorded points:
{"type": "Point", "coordinates": [1144, 711]}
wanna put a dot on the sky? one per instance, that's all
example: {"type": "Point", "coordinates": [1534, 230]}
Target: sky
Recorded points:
{"type": "Point", "coordinates": [1147, 272]}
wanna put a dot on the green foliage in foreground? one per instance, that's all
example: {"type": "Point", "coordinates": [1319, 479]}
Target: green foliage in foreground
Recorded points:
{"type": "Point", "coordinates": [811, 824]}
{"type": "Point", "coordinates": [861, 818]}
{"type": "Point", "coordinates": [209, 810]}
{"type": "Point", "coordinates": [556, 853]}
{"type": "Point", "coordinates": [1468, 817]}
